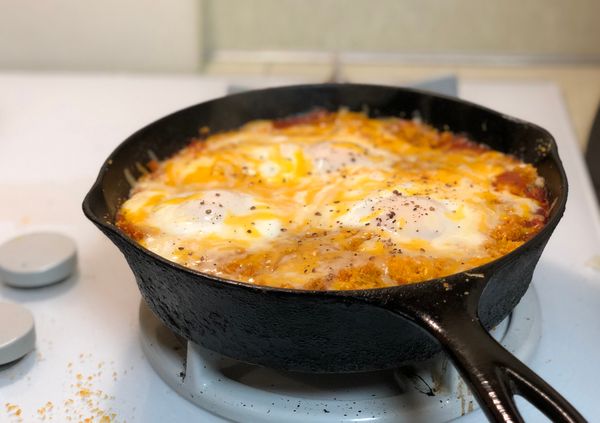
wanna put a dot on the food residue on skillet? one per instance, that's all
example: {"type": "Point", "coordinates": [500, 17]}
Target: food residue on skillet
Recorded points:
{"type": "Point", "coordinates": [335, 200]}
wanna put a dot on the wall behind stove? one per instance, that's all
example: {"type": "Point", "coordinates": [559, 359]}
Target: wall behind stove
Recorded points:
{"type": "Point", "coordinates": [106, 35]}
{"type": "Point", "coordinates": [184, 35]}
{"type": "Point", "coordinates": [551, 28]}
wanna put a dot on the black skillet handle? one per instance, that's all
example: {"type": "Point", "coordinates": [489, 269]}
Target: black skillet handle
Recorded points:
{"type": "Point", "coordinates": [493, 374]}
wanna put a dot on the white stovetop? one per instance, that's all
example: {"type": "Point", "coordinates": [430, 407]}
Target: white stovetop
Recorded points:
{"type": "Point", "coordinates": [55, 132]}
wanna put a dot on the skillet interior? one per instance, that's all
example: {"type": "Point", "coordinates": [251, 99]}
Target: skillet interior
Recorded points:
{"type": "Point", "coordinates": [305, 330]}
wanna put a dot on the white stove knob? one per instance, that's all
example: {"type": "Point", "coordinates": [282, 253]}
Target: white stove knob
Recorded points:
{"type": "Point", "coordinates": [37, 259]}
{"type": "Point", "coordinates": [17, 332]}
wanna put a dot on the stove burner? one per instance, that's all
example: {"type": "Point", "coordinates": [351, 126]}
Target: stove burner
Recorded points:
{"type": "Point", "coordinates": [418, 392]}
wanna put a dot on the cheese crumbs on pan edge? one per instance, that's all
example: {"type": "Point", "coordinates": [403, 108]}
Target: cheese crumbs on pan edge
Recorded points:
{"type": "Point", "coordinates": [335, 201]}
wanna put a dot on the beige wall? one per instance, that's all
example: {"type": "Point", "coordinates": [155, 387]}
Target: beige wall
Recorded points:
{"type": "Point", "coordinates": [166, 36]}
{"type": "Point", "coordinates": [540, 27]}
{"type": "Point", "coordinates": [106, 35]}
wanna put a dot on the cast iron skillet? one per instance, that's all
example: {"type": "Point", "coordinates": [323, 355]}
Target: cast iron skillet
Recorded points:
{"type": "Point", "coordinates": [347, 331]}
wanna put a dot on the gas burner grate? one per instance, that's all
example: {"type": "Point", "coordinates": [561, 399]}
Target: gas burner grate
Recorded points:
{"type": "Point", "coordinates": [417, 392]}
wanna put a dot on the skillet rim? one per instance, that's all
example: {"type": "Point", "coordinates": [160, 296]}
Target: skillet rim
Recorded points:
{"type": "Point", "coordinates": [557, 208]}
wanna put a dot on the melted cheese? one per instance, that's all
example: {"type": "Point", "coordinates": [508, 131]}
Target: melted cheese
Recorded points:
{"type": "Point", "coordinates": [337, 201]}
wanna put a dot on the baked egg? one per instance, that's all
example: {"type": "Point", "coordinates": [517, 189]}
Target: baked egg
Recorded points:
{"type": "Point", "coordinates": [335, 200]}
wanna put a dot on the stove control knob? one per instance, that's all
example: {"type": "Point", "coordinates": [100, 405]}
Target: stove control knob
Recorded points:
{"type": "Point", "coordinates": [17, 332]}
{"type": "Point", "coordinates": [37, 259]}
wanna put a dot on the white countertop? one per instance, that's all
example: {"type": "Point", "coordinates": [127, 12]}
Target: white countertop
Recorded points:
{"type": "Point", "coordinates": [55, 132]}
